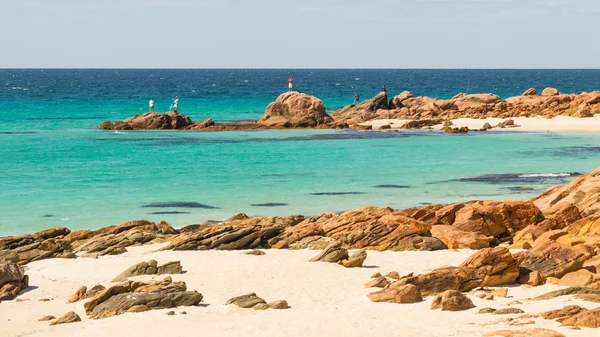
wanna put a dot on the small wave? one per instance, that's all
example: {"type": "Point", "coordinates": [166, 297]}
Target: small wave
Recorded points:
{"type": "Point", "coordinates": [547, 175]}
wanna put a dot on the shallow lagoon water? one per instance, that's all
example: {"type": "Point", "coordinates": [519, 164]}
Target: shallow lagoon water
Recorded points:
{"type": "Point", "coordinates": [58, 171]}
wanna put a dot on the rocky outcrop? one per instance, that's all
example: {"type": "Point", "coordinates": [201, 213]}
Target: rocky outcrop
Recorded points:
{"type": "Point", "coordinates": [150, 121]}
{"type": "Point", "coordinates": [487, 267]}
{"type": "Point", "coordinates": [12, 281]}
{"type": "Point", "coordinates": [452, 300]}
{"type": "Point", "coordinates": [149, 268]}
{"type": "Point", "coordinates": [296, 110]}
{"type": "Point", "coordinates": [140, 296]}
{"type": "Point", "coordinates": [49, 243]}
{"type": "Point", "coordinates": [369, 228]}
{"type": "Point", "coordinates": [406, 106]}
{"type": "Point", "coordinates": [552, 259]}
{"type": "Point", "coordinates": [367, 110]}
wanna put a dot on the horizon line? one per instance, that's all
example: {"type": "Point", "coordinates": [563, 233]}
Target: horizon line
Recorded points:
{"type": "Point", "coordinates": [284, 68]}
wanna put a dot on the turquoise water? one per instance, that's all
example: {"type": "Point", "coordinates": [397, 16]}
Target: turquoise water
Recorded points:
{"type": "Point", "coordinates": [58, 171]}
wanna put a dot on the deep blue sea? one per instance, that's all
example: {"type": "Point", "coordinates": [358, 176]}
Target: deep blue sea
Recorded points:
{"type": "Point", "coordinates": [59, 171]}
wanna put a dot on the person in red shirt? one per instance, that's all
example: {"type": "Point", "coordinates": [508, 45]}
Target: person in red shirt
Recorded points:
{"type": "Point", "coordinates": [290, 83]}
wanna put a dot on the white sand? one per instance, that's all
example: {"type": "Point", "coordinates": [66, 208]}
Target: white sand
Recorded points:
{"type": "Point", "coordinates": [533, 124]}
{"type": "Point", "coordinates": [325, 299]}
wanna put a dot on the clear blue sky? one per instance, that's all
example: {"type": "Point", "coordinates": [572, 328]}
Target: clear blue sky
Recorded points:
{"type": "Point", "coordinates": [300, 34]}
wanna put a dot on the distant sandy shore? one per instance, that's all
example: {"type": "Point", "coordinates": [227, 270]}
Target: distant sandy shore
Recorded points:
{"type": "Point", "coordinates": [534, 124]}
{"type": "Point", "coordinates": [326, 299]}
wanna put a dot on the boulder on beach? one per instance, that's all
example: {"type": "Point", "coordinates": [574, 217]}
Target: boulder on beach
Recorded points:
{"type": "Point", "coordinates": [333, 253]}
{"type": "Point", "coordinates": [139, 297]}
{"type": "Point", "coordinates": [295, 110]}
{"type": "Point", "coordinates": [355, 260]}
{"type": "Point", "coordinates": [452, 300]}
{"type": "Point", "coordinates": [12, 281]}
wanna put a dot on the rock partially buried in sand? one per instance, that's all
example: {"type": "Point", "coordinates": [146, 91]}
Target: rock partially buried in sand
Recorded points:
{"type": "Point", "coordinates": [246, 301]}
{"type": "Point", "coordinates": [255, 252]}
{"type": "Point", "coordinates": [46, 318]}
{"type": "Point", "coordinates": [334, 253]}
{"type": "Point", "coordinates": [70, 317]}
{"type": "Point", "coordinates": [149, 268]}
{"type": "Point", "coordinates": [524, 333]}
{"type": "Point", "coordinates": [282, 304]}
{"type": "Point", "coordinates": [356, 260]}
{"type": "Point", "coordinates": [397, 294]}
{"type": "Point", "coordinates": [452, 300]}
{"type": "Point", "coordinates": [12, 281]}
{"type": "Point", "coordinates": [508, 311]}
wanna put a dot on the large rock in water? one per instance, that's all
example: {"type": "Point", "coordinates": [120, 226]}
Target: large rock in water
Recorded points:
{"type": "Point", "coordinates": [12, 281]}
{"type": "Point", "coordinates": [364, 111]}
{"type": "Point", "coordinates": [295, 110]}
{"type": "Point", "coordinates": [150, 121]}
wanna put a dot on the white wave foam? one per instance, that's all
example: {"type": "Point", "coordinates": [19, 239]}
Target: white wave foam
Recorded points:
{"type": "Point", "coordinates": [545, 175]}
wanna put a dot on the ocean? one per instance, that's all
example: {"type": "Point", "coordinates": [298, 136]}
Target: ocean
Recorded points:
{"type": "Point", "coordinates": [59, 171]}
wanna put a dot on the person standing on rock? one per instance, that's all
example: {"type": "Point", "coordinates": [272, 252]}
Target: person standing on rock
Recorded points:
{"type": "Point", "coordinates": [290, 83]}
{"type": "Point", "coordinates": [151, 103]}
{"type": "Point", "coordinates": [176, 104]}
{"type": "Point", "coordinates": [384, 89]}
{"type": "Point", "coordinates": [356, 98]}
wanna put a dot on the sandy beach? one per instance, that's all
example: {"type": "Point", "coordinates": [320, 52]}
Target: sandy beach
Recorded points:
{"type": "Point", "coordinates": [532, 124]}
{"type": "Point", "coordinates": [325, 299]}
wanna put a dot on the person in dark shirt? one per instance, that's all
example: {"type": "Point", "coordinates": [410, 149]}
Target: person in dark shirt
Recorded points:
{"type": "Point", "coordinates": [356, 98]}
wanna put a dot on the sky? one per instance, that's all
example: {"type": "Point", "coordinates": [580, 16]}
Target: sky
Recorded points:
{"type": "Point", "coordinates": [299, 34]}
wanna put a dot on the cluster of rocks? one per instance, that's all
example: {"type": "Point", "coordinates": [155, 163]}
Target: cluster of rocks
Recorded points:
{"type": "Point", "coordinates": [488, 267]}
{"type": "Point", "coordinates": [550, 103]}
{"type": "Point", "coordinates": [289, 110]}
{"type": "Point", "coordinates": [298, 110]}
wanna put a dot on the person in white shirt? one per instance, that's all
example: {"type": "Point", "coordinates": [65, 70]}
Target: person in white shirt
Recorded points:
{"type": "Point", "coordinates": [176, 104]}
{"type": "Point", "coordinates": [151, 103]}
